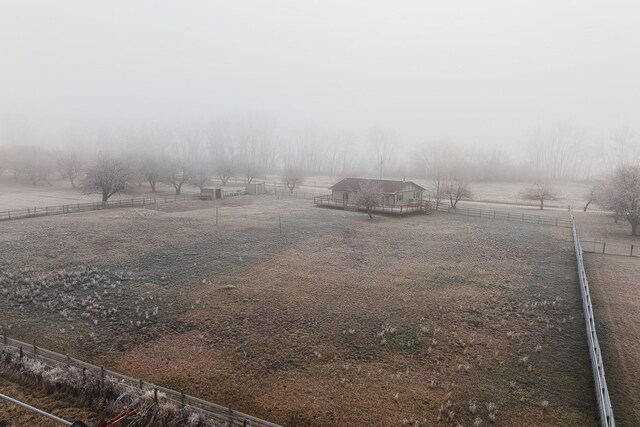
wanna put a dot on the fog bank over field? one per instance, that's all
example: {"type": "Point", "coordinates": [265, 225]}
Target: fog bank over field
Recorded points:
{"type": "Point", "coordinates": [525, 90]}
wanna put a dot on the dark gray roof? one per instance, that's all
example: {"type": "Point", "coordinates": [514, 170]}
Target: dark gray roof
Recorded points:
{"type": "Point", "coordinates": [388, 186]}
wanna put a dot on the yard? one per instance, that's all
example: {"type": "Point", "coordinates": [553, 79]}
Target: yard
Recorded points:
{"type": "Point", "coordinates": [338, 321]}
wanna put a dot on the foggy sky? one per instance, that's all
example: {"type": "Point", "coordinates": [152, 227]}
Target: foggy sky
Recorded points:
{"type": "Point", "coordinates": [476, 72]}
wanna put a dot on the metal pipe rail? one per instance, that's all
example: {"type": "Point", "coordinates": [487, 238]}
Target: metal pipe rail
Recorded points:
{"type": "Point", "coordinates": [605, 409]}
{"type": "Point", "coordinates": [506, 215]}
{"type": "Point", "coordinates": [35, 410]}
{"type": "Point", "coordinates": [222, 414]}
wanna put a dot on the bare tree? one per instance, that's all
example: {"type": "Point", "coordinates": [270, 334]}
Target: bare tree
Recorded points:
{"type": "Point", "coordinates": [225, 167]}
{"type": "Point", "coordinates": [369, 196]}
{"type": "Point", "coordinates": [383, 142]}
{"type": "Point", "coordinates": [3, 160]}
{"type": "Point", "coordinates": [69, 166]}
{"type": "Point", "coordinates": [438, 161]}
{"type": "Point", "coordinates": [622, 194]}
{"type": "Point", "coordinates": [292, 177]}
{"type": "Point", "coordinates": [153, 170]}
{"type": "Point", "coordinates": [201, 172]}
{"type": "Point", "coordinates": [623, 148]}
{"type": "Point", "coordinates": [177, 173]}
{"type": "Point", "coordinates": [558, 152]}
{"type": "Point", "coordinates": [107, 176]}
{"type": "Point", "coordinates": [456, 190]}
{"type": "Point", "coordinates": [254, 140]}
{"type": "Point", "coordinates": [251, 170]}
{"type": "Point", "coordinates": [594, 194]}
{"type": "Point", "coordinates": [540, 192]}
{"type": "Point", "coordinates": [38, 164]}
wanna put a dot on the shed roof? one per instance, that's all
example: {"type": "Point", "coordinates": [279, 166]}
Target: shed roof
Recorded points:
{"type": "Point", "coordinates": [388, 186]}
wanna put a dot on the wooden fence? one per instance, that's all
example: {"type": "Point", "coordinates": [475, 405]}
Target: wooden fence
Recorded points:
{"type": "Point", "coordinates": [605, 409]}
{"type": "Point", "coordinates": [507, 216]}
{"type": "Point", "coordinates": [224, 415]}
{"type": "Point", "coordinates": [327, 200]}
{"type": "Point", "coordinates": [95, 206]}
{"type": "Point", "coordinates": [609, 248]}
{"type": "Point", "coordinates": [110, 204]}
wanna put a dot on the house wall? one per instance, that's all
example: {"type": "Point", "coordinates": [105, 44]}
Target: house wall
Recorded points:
{"type": "Point", "coordinates": [338, 196]}
{"type": "Point", "coordinates": [409, 194]}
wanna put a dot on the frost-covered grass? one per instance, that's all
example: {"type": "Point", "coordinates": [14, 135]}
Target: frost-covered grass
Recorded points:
{"type": "Point", "coordinates": [99, 393]}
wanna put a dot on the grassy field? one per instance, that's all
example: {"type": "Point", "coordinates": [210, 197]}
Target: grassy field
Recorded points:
{"type": "Point", "coordinates": [339, 321]}
{"type": "Point", "coordinates": [613, 281]}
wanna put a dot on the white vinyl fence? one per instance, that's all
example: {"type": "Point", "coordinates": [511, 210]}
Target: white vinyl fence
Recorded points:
{"type": "Point", "coordinates": [602, 392]}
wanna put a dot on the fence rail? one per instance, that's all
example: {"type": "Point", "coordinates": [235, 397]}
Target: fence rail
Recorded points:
{"type": "Point", "coordinates": [110, 204]}
{"type": "Point", "coordinates": [88, 207]}
{"type": "Point", "coordinates": [610, 248]}
{"type": "Point", "coordinates": [224, 415]}
{"type": "Point", "coordinates": [507, 215]}
{"type": "Point", "coordinates": [327, 200]}
{"type": "Point", "coordinates": [602, 392]}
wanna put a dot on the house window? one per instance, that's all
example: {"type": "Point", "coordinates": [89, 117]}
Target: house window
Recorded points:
{"type": "Point", "coordinates": [399, 197]}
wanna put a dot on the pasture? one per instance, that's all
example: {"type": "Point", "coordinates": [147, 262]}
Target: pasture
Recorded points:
{"type": "Point", "coordinates": [613, 280]}
{"type": "Point", "coordinates": [337, 321]}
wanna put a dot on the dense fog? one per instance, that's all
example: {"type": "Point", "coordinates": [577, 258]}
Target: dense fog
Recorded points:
{"type": "Point", "coordinates": [501, 90]}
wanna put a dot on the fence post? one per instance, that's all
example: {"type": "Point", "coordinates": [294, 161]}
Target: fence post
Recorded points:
{"type": "Point", "coordinates": [155, 395]}
{"type": "Point", "coordinates": [230, 416]}
{"type": "Point", "coordinates": [140, 384]}
{"type": "Point", "coordinates": [604, 245]}
{"type": "Point", "coordinates": [280, 224]}
{"type": "Point", "coordinates": [181, 399]}
{"type": "Point", "coordinates": [101, 375]}
{"type": "Point", "coordinates": [631, 254]}
{"type": "Point", "coordinates": [35, 351]}
{"type": "Point", "coordinates": [21, 353]}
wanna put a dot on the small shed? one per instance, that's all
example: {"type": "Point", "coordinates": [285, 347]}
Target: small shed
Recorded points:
{"type": "Point", "coordinates": [210, 193]}
{"type": "Point", "coordinates": [255, 188]}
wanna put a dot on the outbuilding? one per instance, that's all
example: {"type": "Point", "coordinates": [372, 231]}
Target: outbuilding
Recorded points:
{"type": "Point", "coordinates": [210, 193]}
{"type": "Point", "coordinates": [255, 188]}
{"type": "Point", "coordinates": [396, 193]}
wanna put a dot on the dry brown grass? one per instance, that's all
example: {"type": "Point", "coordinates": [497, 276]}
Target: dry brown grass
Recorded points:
{"type": "Point", "coordinates": [341, 321]}
{"type": "Point", "coordinates": [60, 405]}
{"type": "Point", "coordinates": [614, 290]}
